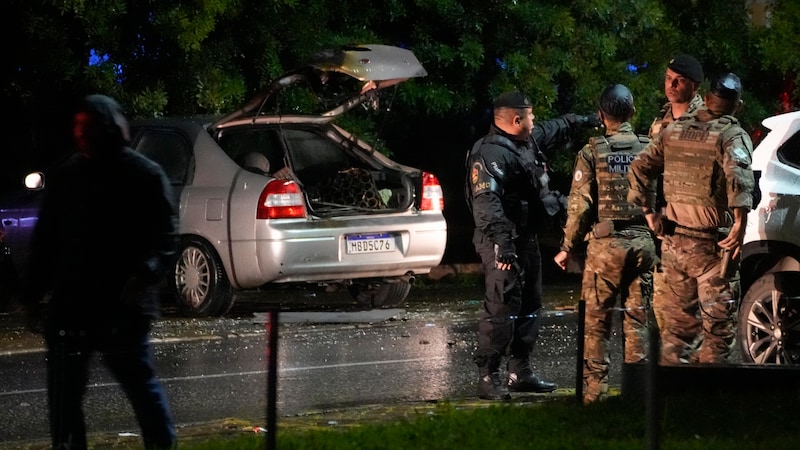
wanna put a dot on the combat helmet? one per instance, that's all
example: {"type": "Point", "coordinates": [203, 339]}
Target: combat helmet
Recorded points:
{"type": "Point", "coordinates": [727, 86]}
{"type": "Point", "coordinates": [616, 101]}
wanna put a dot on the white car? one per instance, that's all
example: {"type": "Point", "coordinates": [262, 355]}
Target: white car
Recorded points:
{"type": "Point", "coordinates": [769, 313]}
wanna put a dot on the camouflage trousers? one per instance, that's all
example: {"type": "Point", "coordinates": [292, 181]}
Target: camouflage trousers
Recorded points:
{"type": "Point", "coordinates": [695, 304]}
{"type": "Point", "coordinates": [618, 266]}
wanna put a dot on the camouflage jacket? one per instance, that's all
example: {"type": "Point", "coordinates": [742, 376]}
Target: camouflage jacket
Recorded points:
{"type": "Point", "coordinates": [731, 173]}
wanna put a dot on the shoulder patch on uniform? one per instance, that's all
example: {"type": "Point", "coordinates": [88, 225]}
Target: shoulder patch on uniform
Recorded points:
{"type": "Point", "coordinates": [476, 168]}
{"type": "Point", "coordinates": [578, 176]}
{"type": "Point", "coordinates": [655, 129]}
{"type": "Point", "coordinates": [741, 155]}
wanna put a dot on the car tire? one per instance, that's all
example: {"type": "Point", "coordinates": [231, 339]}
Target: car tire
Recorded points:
{"type": "Point", "coordinates": [200, 283]}
{"type": "Point", "coordinates": [381, 294]}
{"type": "Point", "coordinates": [769, 320]}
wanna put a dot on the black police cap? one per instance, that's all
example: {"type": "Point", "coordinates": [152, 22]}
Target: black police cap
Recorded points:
{"type": "Point", "coordinates": [727, 86]}
{"type": "Point", "coordinates": [687, 66]}
{"type": "Point", "coordinates": [616, 101]}
{"type": "Point", "coordinates": [512, 100]}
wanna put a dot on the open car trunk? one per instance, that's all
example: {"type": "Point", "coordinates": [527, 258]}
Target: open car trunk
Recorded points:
{"type": "Point", "coordinates": [338, 177]}
{"type": "Point", "coordinates": [290, 123]}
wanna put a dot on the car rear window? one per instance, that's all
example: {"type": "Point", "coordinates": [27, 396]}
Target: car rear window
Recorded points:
{"type": "Point", "coordinates": [237, 143]}
{"type": "Point", "coordinates": [314, 155]}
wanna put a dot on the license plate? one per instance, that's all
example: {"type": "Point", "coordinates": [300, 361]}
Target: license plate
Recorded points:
{"type": "Point", "coordinates": [369, 243]}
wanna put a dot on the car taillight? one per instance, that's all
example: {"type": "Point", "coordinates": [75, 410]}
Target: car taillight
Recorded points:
{"type": "Point", "coordinates": [281, 199]}
{"type": "Point", "coordinates": [432, 195]}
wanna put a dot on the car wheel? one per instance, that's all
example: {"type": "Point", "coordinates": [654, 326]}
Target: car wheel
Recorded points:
{"type": "Point", "coordinates": [382, 294]}
{"type": "Point", "coordinates": [769, 320]}
{"type": "Point", "coordinates": [200, 282]}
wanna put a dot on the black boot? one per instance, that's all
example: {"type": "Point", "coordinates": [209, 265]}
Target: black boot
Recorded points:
{"type": "Point", "coordinates": [524, 380]}
{"type": "Point", "coordinates": [491, 387]}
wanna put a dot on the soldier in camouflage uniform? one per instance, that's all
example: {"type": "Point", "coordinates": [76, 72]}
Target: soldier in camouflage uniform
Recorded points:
{"type": "Point", "coordinates": [705, 160]}
{"type": "Point", "coordinates": [682, 79]}
{"type": "Point", "coordinates": [621, 251]}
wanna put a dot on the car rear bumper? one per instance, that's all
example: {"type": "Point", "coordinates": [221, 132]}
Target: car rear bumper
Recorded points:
{"type": "Point", "coordinates": [322, 250]}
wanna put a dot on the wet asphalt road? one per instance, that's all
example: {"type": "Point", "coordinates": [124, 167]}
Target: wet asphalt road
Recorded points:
{"type": "Point", "coordinates": [331, 354]}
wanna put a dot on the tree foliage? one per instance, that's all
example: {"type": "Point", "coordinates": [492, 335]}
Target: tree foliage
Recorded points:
{"type": "Point", "coordinates": [207, 56]}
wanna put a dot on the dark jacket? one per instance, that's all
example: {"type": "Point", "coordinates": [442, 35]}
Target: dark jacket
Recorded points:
{"type": "Point", "coordinates": [505, 178]}
{"type": "Point", "coordinates": [106, 234]}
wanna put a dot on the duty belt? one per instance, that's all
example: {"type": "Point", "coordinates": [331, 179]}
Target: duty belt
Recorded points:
{"type": "Point", "coordinates": [623, 224]}
{"type": "Point", "coordinates": [701, 233]}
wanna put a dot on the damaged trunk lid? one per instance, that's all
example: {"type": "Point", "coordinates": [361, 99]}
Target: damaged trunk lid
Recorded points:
{"type": "Point", "coordinates": [339, 173]}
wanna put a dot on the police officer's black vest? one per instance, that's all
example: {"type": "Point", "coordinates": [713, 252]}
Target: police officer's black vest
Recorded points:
{"type": "Point", "coordinates": [534, 162]}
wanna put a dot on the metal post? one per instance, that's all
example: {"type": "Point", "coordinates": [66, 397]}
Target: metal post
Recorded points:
{"type": "Point", "coordinates": [272, 378]}
{"type": "Point", "coordinates": [60, 436]}
{"type": "Point", "coordinates": [579, 358]}
{"type": "Point", "coordinates": [652, 398]}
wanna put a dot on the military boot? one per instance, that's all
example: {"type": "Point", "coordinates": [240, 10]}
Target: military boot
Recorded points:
{"type": "Point", "coordinates": [491, 387]}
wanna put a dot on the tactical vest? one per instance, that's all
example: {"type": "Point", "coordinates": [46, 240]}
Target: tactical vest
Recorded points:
{"type": "Point", "coordinates": [534, 162]}
{"type": "Point", "coordinates": [522, 201]}
{"type": "Point", "coordinates": [660, 122]}
{"type": "Point", "coordinates": [496, 140]}
{"type": "Point", "coordinates": [470, 173]}
{"type": "Point", "coordinates": [613, 155]}
{"type": "Point", "coordinates": [692, 161]}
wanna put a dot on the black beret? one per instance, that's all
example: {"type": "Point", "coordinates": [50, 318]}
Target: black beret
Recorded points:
{"type": "Point", "coordinates": [688, 67]}
{"type": "Point", "coordinates": [512, 100]}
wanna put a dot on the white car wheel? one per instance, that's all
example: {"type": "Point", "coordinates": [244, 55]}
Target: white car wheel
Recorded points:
{"type": "Point", "coordinates": [769, 320]}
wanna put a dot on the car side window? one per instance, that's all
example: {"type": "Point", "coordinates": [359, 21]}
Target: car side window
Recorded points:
{"type": "Point", "coordinates": [789, 152]}
{"type": "Point", "coordinates": [169, 149]}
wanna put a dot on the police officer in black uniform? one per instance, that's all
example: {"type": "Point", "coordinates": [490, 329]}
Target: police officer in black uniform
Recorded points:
{"type": "Point", "coordinates": [510, 199]}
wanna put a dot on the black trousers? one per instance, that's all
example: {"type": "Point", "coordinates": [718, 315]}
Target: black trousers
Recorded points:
{"type": "Point", "coordinates": [508, 324]}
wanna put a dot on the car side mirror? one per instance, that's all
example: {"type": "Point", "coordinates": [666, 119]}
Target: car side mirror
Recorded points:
{"type": "Point", "coordinates": [34, 181]}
